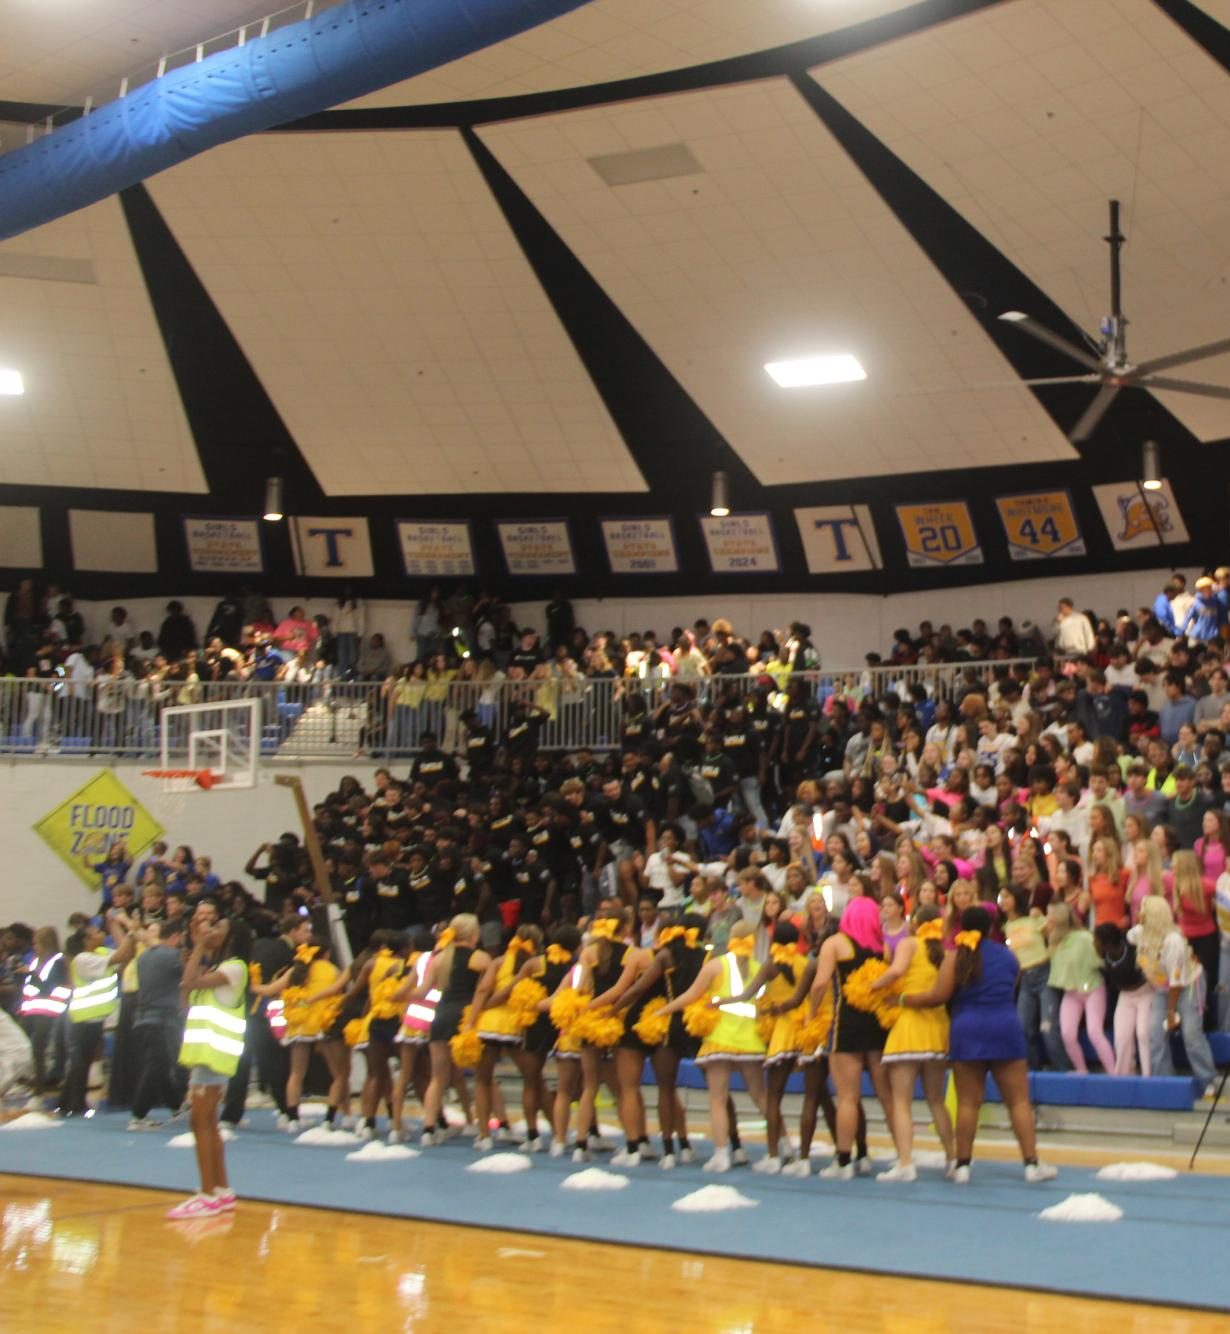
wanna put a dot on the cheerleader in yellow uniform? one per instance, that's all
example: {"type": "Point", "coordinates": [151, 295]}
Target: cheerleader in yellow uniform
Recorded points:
{"type": "Point", "coordinates": [733, 1042]}
{"type": "Point", "coordinates": [498, 1025]}
{"type": "Point", "coordinates": [380, 980]}
{"type": "Point", "coordinates": [917, 1043]}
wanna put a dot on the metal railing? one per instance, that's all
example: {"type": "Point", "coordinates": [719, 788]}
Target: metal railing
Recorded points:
{"type": "Point", "coordinates": [121, 717]}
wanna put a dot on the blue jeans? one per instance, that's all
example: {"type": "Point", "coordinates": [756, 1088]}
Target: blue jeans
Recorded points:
{"type": "Point", "coordinates": [347, 655]}
{"type": "Point", "coordinates": [1191, 1025]}
{"type": "Point", "coordinates": [1037, 1007]}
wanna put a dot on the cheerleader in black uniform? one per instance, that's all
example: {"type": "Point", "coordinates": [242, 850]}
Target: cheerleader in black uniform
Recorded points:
{"type": "Point", "coordinates": [458, 966]}
{"type": "Point", "coordinates": [678, 959]}
{"type": "Point", "coordinates": [549, 971]}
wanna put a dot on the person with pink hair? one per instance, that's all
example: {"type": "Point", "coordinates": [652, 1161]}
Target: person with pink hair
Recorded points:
{"type": "Point", "coordinates": [855, 1037]}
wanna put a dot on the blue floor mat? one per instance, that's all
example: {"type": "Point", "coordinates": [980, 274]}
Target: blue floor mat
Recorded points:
{"type": "Point", "coordinates": [986, 1232]}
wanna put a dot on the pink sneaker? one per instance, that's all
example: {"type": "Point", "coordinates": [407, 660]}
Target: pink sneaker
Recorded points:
{"type": "Point", "coordinates": [198, 1206]}
{"type": "Point", "coordinates": [224, 1199]}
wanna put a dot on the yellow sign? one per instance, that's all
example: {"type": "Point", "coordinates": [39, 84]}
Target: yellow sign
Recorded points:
{"type": "Point", "coordinates": [941, 533]}
{"type": "Point", "coordinates": [1040, 525]}
{"type": "Point", "coordinates": [81, 830]}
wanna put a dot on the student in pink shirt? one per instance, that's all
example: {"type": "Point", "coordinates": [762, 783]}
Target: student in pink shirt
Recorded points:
{"type": "Point", "coordinates": [296, 634]}
{"type": "Point", "coordinates": [1213, 844]}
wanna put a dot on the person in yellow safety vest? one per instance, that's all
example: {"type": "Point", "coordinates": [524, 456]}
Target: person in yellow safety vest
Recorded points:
{"type": "Point", "coordinates": [94, 1003]}
{"type": "Point", "coordinates": [44, 1003]}
{"type": "Point", "coordinates": [215, 985]}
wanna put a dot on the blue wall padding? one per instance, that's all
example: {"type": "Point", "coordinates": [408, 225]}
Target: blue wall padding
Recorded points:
{"type": "Point", "coordinates": [296, 71]}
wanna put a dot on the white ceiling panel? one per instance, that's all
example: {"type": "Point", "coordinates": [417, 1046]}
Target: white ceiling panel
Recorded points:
{"type": "Point", "coordinates": [622, 39]}
{"type": "Point", "coordinates": [1029, 117]}
{"type": "Point", "coordinates": [101, 407]}
{"type": "Point", "coordinates": [387, 308]}
{"type": "Point", "coordinates": [779, 248]}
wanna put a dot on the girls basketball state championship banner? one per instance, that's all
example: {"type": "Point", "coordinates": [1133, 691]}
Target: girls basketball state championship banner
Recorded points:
{"type": "Point", "coordinates": [1040, 525]}
{"type": "Point", "coordinates": [444, 548]}
{"type": "Point", "coordinates": [939, 533]}
{"type": "Point", "coordinates": [640, 546]}
{"type": "Point", "coordinates": [537, 546]}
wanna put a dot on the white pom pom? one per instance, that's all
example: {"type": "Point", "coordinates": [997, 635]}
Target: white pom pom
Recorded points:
{"type": "Point", "coordinates": [1083, 1209]}
{"type": "Point", "coordinates": [594, 1178]}
{"type": "Point", "coordinates": [714, 1200]}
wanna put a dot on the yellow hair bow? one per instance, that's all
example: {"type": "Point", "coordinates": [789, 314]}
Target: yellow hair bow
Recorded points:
{"type": "Point", "coordinates": [968, 939]}
{"type": "Point", "coordinates": [606, 928]}
{"type": "Point", "coordinates": [519, 945]}
{"type": "Point", "coordinates": [445, 938]}
{"type": "Point", "coordinates": [688, 934]}
{"type": "Point", "coordinates": [783, 954]}
{"type": "Point", "coordinates": [933, 930]}
{"type": "Point", "coordinates": [558, 954]}
{"type": "Point", "coordinates": [306, 953]}
{"type": "Point", "coordinates": [742, 946]}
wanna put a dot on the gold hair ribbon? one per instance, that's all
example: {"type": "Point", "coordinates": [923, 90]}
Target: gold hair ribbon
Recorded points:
{"type": "Point", "coordinates": [519, 945]}
{"type": "Point", "coordinates": [688, 934]}
{"type": "Point", "coordinates": [784, 954]}
{"type": "Point", "coordinates": [968, 939]}
{"type": "Point", "coordinates": [558, 954]}
{"type": "Point", "coordinates": [306, 953]}
{"type": "Point", "coordinates": [934, 930]}
{"type": "Point", "coordinates": [741, 947]}
{"type": "Point", "coordinates": [606, 928]}
{"type": "Point", "coordinates": [445, 938]}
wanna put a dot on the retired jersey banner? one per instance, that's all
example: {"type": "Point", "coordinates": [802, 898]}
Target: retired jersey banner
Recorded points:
{"type": "Point", "coordinates": [741, 543]}
{"type": "Point", "coordinates": [640, 546]}
{"type": "Point", "coordinates": [224, 546]}
{"type": "Point", "coordinates": [940, 533]}
{"type": "Point", "coordinates": [81, 829]}
{"type": "Point", "coordinates": [332, 548]}
{"type": "Point", "coordinates": [444, 548]}
{"type": "Point", "coordinates": [1138, 518]}
{"type": "Point", "coordinates": [837, 538]}
{"type": "Point", "coordinates": [537, 546]}
{"type": "Point", "coordinates": [1040, 525]}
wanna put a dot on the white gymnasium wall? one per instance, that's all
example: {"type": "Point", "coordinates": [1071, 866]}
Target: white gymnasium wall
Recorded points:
{"type": "Point", "coordinates": [845, 627]}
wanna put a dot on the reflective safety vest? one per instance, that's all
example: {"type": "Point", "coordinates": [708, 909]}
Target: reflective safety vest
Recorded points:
{"type": "Point", "coordinates": [734, 985]}
{"type": "Point", "coordinates": [419, 1013]}
{"type": "Point", "coordinates": [275, 1013]}
{"type": "Point", "coordinates": [39, 997]}
{"type": "Point", "coordinates": [93, 1002]}
{"type": "Point", "coordinates": [213, 1033]}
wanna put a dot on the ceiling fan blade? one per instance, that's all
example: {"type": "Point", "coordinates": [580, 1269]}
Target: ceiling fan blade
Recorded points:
{"type": "Point", "coordinates": [1093, 414]}
{"type": "Point", "coordinates": [1184, 386]}
{"type": "Point", "coordinates": [992, 384]}
{"type": "Point", "coordinates": [1181, 358]}
{"type": "Point", "coordinates": [1044, 335]}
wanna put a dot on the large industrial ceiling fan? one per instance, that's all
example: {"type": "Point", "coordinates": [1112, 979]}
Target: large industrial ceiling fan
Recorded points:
{"type": "Point", "coordinates": [1106, 357]}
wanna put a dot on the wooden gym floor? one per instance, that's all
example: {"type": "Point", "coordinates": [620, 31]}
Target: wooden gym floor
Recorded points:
{"type": "Point", "coordinates": [73, 1253]}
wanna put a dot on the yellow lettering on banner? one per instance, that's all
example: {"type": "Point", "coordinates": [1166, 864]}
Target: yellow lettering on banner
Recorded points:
{"type": "Point", "coordinates": [1040, 525]}
{"type": "Point", "coordinates": [940, 533]}
{"type": "Point", "coordinates": [102, 812]}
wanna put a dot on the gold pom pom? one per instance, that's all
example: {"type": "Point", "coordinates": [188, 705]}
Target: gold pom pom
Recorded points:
{"type": "Point", "coordinates": [653, 1026]}
{"type": "Point", "coordinates": [856, 989]}
{"type": "Point", "coordinates": [329, 1010]}
{"type": "Point", "coordinates": [600, 1028]}
{"type": "Point", "coordinates": [566, 1007]}
{"type": "Point", "coordinates": [814, 1032]}
{"type": "Point", "coordinates": [355, 1032]}
{"type": "Point", "coordinates": [765, 1023]}
{"type": "Point", "coordinates": [700, 1018]}
{"type": "Point", "coordinates": [524, 999]}
{"type": "Point", "coordinates": [466, 1047]}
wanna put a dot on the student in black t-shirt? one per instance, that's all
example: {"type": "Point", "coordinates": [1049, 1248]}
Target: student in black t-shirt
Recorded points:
{"type": "Point", "coordinates": [387, 889]}
{"type": "Point", "coordinates": [432, 764]}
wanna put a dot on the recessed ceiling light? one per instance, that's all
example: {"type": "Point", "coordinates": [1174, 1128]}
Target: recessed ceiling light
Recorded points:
{"type": "Point", "coordinates": [839, 369]}
{"type": "Point", "coordinates": [11, 382]}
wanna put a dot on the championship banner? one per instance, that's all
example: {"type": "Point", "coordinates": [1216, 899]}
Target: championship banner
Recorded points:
{"type": "Point", "coordinates": [941, 533]}
{"type": "Point", "coordinates": [537, 546]}
{"type": "Point", "coordinates": [332, 548]}
{"type": "Point", "coordinates": [444, 549]}
{"type": "Point", "coordinates": [81, 830]}
{"type": "Point", "coordinates": [1138, 518]}
{"type": "Point", "coordinates": [224, 546]}
{"type": "Point", "coordinates": [741, 543]}
{"type": "Point", "coordinates": [640, 546]}
{"type": "Point", "coordinates": [1041, 525]}
{"type": "Point", "coordinates": [837, 538]}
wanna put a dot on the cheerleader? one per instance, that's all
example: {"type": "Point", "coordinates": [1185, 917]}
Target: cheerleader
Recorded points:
{"type": "Point", "coordinates": [609, 966]}
{"type": "Point", "coordinates": [499, 1028]}
{"type": "Point", "coordinates": [733, 1042]}
{"type": "Point", "coordinates": [979, 978]}
{"type": "Point", "coordinates": [675, 966]}
{"type": "Point", "coordinates": [917, 1044]}
{"type": "Point", "coordinates": [380, 980]}
{"type": "Point", "coordinates": [855, 1037]}
{"type": "Point", "coordinates": [311, 1021]}
{"type": "Point", "coordinates": [413, 1065]}
{"type": "Point", "coordinates": [546, 972]}
{"type": "Point", "coordinates": [455, 971]}
{"type": "Point", "coordinates": [567, 1048]}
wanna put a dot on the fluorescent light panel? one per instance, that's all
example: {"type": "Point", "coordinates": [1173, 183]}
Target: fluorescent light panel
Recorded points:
{"type": "Point", "coordinates": [11, 382]}
{"type": "Point", "coordinates": [839, 369]}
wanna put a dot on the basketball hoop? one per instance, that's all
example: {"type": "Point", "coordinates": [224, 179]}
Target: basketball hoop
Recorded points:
{"type": "Point", "coordinates": [203, 778]}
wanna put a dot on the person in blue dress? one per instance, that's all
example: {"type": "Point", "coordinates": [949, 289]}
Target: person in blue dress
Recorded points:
{"type": "Point", "coordinates": [979, 978]}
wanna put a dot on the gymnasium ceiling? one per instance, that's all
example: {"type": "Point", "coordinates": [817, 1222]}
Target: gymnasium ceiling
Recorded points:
{"type": "Point", "coordinates": [559, 266]}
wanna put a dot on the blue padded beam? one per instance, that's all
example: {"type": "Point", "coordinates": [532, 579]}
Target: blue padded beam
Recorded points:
{"type": "Point", "coordinates": [296, 71]}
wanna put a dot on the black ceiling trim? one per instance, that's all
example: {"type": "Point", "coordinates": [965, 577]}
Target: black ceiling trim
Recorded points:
{"type": "Point", "coordinates": [1201, 27]}
{"type": "Point", "coordinates": [736, 69]}
{"type": "Point", "coordinates": [33, 113]}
